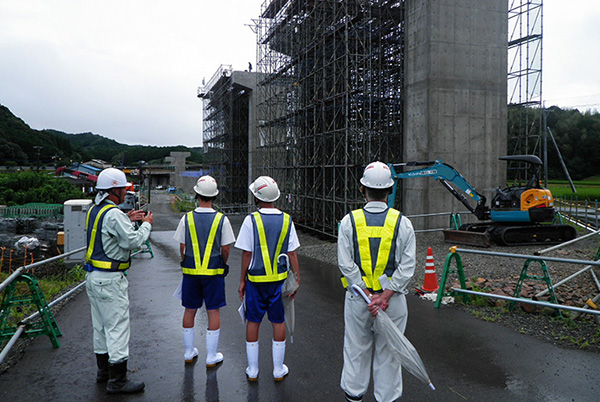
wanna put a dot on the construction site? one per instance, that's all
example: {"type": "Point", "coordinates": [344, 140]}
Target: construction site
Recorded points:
{"type": "Point", "coordinates": [339, 84]}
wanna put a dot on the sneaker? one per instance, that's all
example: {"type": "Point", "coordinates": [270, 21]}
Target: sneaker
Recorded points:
{"type": "Point", "coordinates": [191, 358]}
{"type": "Point", "coordinates": [252, 376]}
{"type": "Point", "coordinates": [278, 376]}
{"type": "Point", "coordinates": [216, 359]}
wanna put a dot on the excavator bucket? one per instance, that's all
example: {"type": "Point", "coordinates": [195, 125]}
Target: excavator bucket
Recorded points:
{"type": "Point", "coordinates": [466, 237]}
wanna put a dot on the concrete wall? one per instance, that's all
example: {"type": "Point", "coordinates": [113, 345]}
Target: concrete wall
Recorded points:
{"type": "Point", "coordinates": [178, 160]}
{"type": "Point", "coordinates": [455, 106]}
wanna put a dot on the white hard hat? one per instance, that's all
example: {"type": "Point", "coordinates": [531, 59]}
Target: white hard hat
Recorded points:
{"type": "Point", "coordinates": [111, 178]}
{"type": "Point", "coordinates": [377, 175]}
{"type": "Point", "coordinates": [265, 189]}
{"type": "Point", "coordinates": [206, 186]}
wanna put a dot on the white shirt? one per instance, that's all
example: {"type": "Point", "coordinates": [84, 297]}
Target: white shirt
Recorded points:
{"type": "Point", "coordinates": [245, 239]}
{"type": "Point", "coordinates": [404, 256]}
{"type": "Point", "coordinates": [227, 236]}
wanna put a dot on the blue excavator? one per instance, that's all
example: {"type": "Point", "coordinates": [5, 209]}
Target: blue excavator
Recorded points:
{"type": "Point", "coordinates": [519, 215]}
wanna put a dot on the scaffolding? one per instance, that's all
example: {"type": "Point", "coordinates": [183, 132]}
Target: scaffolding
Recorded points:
{"type": "Point", "coordinates": [525, 30]}
{"type": "Point", "coordinates": [330, 100]}
{"type": "Point", "coordinates": [225, 134]}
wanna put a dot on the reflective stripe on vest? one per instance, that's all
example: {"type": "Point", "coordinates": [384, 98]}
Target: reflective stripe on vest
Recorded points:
{"type": "Point", "coordinates": [95, 254]}
{"type": "Point", "coordinates": [201, 261]}
{"type": "Point", "coordinates": [270, 265]}
{"type": "Point", "coordinates": [386, 235]}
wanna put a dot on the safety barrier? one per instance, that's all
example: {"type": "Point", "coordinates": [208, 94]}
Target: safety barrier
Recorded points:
{"type": "Point", "coordinates": [27, 326]}
{"type": "Point", "coordinates": [454, 255]}
{"type": "Point", "coordinates": [37, 210]}
{"type": "Point", "coordinates": [585, 213]}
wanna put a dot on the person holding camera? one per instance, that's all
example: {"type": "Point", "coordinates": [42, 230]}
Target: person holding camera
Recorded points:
{"type": "Point", "coordinates": [111, 235]}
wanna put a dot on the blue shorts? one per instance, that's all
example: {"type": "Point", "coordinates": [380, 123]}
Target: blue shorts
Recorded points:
{"type": "Point", "coordinates": [196, 289]}
{"type": "Point", "coordinates": [264, 298]}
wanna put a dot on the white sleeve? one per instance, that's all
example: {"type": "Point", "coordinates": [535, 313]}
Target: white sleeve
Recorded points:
{"type": "Point", "coordinates": [180, 232]}
{"type": "Point", "coordinates": [227, 236]}
{"type": "Point", "coordinates": [293, 242]}
{"type": "Point", "coordinates": [245, 240]}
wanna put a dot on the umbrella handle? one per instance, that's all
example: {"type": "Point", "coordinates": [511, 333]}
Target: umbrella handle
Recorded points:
{"type": "Point", "coordinates": [358, 291]}
{"type": "Point", "coordinates": [287, 259]}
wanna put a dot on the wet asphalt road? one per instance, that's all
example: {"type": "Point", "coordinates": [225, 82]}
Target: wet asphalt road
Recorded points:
{"type": "Point", "coordinates": [467, 359]}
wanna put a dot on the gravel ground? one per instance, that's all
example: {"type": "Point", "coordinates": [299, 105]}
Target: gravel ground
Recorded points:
{"type": "Point", "coordinates": [500, 275]}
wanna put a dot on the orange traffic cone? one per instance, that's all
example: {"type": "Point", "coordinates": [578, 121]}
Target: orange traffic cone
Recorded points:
{"type": "Point", "coordinates": [430, 284]}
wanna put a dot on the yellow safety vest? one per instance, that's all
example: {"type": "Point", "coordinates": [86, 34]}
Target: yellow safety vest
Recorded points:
{"type": "Point", "coordinates": [201, 260]}
{"type": "Point", "coordinates": [271, 273]}
{"type": "Point", "coordinates": [386, 233]}
{"type": "Point", "coordinates": [95, 254]}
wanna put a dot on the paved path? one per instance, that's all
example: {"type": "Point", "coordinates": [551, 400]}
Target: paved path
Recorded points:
{"type": "Point", "coordinates": [467, 359]}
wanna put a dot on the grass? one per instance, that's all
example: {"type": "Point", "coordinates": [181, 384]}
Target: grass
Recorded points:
{"type": "Point", "coordinates": [51, 285]}
{"type": "Point", "coordinates": [588, 189]}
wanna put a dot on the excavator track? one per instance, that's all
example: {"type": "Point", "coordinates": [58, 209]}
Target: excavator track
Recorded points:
{"type": "Point", "coordinates": [482, 234]}
{"type": "Point", "coordinates": [532, 234]}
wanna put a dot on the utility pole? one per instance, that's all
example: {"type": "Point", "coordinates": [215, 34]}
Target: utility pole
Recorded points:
{"type": "Point", "coordinates": [38, 148]}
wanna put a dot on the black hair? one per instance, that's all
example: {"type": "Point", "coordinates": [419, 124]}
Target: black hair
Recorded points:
{"type": "Point", "coordinates": [377, 194]}
{"type": "Point", "coordinates": [206, 199]}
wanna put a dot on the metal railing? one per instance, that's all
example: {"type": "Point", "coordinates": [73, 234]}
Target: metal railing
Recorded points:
{"type": "Point", "coordinates": [23, 323]}
{"type": "Point", "coordinates": [585, 213]}
{"type": "Point", "coordinates": [517, 299]}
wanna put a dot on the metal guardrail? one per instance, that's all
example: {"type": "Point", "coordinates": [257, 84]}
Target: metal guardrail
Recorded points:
{"type": "Point", "coordinates": [456, 250]}
{"type": "Point", "coordinates": [585, 213]}
{"type": "Point", "coordinates": [20, 271]}
{"type": "Point", "coordinates": [33, 210]}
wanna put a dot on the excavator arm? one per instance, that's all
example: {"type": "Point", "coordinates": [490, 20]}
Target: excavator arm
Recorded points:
{"type": "Point", "coordinates": [445, 174]}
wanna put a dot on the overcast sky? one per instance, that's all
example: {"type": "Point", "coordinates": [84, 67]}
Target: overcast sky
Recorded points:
{"type": "Point", "coordinates": [129, 69]}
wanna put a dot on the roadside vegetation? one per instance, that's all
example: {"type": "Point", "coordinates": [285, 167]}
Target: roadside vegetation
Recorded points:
{"type": "Point", "coordinates": [54, 279]}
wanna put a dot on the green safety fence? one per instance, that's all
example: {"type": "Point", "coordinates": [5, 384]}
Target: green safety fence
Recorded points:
{"type": "Point", "coordinates": [34, 209]}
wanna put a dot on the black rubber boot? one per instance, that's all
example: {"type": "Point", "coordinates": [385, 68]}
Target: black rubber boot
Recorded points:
{"type": "Point", "coordinates": [102, 361]}
{"type": "Point", "coordinates": [118, 382]}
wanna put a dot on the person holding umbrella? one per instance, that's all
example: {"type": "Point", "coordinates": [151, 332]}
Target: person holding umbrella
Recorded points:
{"type": "Point", "coordinates": [204, 237]}
{"type": "Point", "coordinates": [376, 252]}
{"type": "Point", "coordinates": [264, 236]}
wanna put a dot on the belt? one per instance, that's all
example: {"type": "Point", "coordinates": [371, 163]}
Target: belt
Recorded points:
{"type": "Point", "coordinates": [89, 268]}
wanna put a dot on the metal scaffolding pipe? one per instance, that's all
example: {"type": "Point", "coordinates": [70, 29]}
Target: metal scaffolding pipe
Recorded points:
{"type": "Point", "coordinates": [529, 301]}
{"type": "Point", "coordinates": [70, 292]}
{"type": "Point", "coordinates": [543, 292]}
{"type": "Point", "coordinates": [566, 243]}
{"type": "Point", "coordinates": [524, 256]}
{"type": "Point", "coordinates": [11, 342]}
{"type": "Point", "coordinates": [20, 270]}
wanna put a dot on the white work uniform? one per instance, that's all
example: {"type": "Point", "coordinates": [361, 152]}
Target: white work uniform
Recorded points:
{"type": "Point", "coordinates": [108, 290]}
{"type": "Point", "coordinates": [359, 337]}
{"type": "Point", "coordinates": [227, 236]}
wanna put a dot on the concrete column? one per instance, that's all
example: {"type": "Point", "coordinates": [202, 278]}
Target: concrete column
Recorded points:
{"type": "Point", "coordinates": [455, 106]}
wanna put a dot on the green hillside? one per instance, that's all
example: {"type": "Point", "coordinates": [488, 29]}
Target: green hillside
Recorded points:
{"type": "Point", "coordinates": [22, 145]}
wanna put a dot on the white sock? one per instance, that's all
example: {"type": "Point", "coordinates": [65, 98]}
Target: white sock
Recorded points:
{"type": "Point", "coordinates": [252, 353]}
{"type": "Point", "coordinates": [188, 340]}
{"type": "Point", "coordinates": [278, 356]}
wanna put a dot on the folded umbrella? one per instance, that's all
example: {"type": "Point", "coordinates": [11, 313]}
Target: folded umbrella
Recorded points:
{"type": "Point", "coordinates": [400, 346]}
{"type": "Point", "coordinates": [289, 286]}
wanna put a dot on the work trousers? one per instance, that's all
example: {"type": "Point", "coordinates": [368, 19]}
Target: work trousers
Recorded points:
{"type": "Point", "coordinates": [109, 301]}
{"type": "Point", "coordinates": [359, 342]}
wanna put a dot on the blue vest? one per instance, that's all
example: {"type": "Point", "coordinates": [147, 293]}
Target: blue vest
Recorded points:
{"type": "Point", "coordinates": [203, 238]}
{"type": "Point", "coordinates": [95, 253]}
{"type": "Point", "coordinates": [271, 239]}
